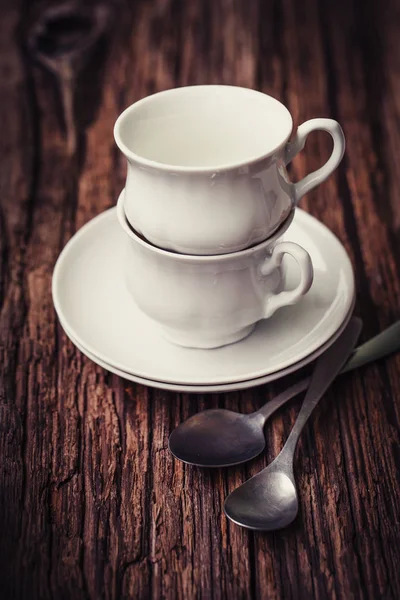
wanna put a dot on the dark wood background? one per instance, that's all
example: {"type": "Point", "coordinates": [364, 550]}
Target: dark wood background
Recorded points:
{"type": "Point", "coordinates": [92, 505]}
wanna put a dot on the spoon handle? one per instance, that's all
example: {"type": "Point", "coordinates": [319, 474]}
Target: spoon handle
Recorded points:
{"type": "Point", "coordinates": [386, 342]}
{"type": "Point", "coordinates": [381, 345]}
{"type": "Point", "coordinates": [327, 368]}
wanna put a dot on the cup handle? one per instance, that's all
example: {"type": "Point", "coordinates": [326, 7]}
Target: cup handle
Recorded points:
{"type": "Point", "coordinates": [285, 298]}
{"type": "Point", "coordinates": [293, 148]}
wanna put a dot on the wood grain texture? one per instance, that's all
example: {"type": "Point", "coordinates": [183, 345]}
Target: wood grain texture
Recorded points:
{"type": "Point", "coordinates": [92, 505]}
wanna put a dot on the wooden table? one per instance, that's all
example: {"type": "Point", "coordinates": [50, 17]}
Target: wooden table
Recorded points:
{"type": "Point", "coordinates": [92, 505]}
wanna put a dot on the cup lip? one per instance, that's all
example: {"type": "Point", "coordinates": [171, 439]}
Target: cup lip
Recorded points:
{"type": "Point", "coordinates": [130, 155]}
{"type": "Point", "coordinates": [199, 258]}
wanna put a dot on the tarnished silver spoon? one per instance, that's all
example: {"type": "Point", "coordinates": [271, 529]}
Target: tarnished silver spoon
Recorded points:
{"type": "Point", "coordinates": [220, 438]}
{"type": "Point", "coordinates": [268, 501]}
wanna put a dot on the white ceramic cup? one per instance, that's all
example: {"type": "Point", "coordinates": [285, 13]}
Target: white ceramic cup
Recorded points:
{"type": "Point", "coordinates": [210, 301]}
{"type": "Point", "coordinates": [207, 166]}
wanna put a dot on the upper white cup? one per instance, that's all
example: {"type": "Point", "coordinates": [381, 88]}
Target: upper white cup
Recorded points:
{"type": "Point", "coordinates": [210, 301]}
{"type": "Point", "coordinates": [207, 166]}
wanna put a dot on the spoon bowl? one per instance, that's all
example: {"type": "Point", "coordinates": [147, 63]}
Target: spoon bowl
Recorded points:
{"type": "Point", "coordinates": [218, 437]}
{"type": "Point", "coordinates": [268, 501]}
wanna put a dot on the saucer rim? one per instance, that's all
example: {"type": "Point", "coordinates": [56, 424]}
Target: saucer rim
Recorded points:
{"type": "Point", "coordinates": [214, 388]}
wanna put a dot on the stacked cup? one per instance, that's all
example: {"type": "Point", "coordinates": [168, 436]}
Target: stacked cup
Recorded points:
{"type": "Point", "coordinates": [206, 201]}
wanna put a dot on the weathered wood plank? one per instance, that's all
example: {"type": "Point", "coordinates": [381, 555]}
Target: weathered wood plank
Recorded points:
{"type": "Point", "coordinates": [92, 505]}
{"type": "Point", "coordinates": [17, 188]}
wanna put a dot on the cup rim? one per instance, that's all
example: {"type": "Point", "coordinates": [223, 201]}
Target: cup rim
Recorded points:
{"type": "Point", "coordinates": [130, 155]}
{"type": "Point", "coordinates": [199, 258]}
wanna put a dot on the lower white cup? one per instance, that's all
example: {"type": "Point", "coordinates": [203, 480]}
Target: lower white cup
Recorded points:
{"type": "Point", "coordinates": [211, 301]}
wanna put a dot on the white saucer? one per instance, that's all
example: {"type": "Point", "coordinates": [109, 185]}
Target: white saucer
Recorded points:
{"type": "Point", "coordinates": [203, 389]}
{"type": "Point", "coordinates": [97, 312]}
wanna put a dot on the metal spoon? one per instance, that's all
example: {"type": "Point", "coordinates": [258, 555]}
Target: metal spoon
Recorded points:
{"type": "Point", "coordinates": [268, 500]}
{"type": "Point", "coordinates": [220, 438]}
